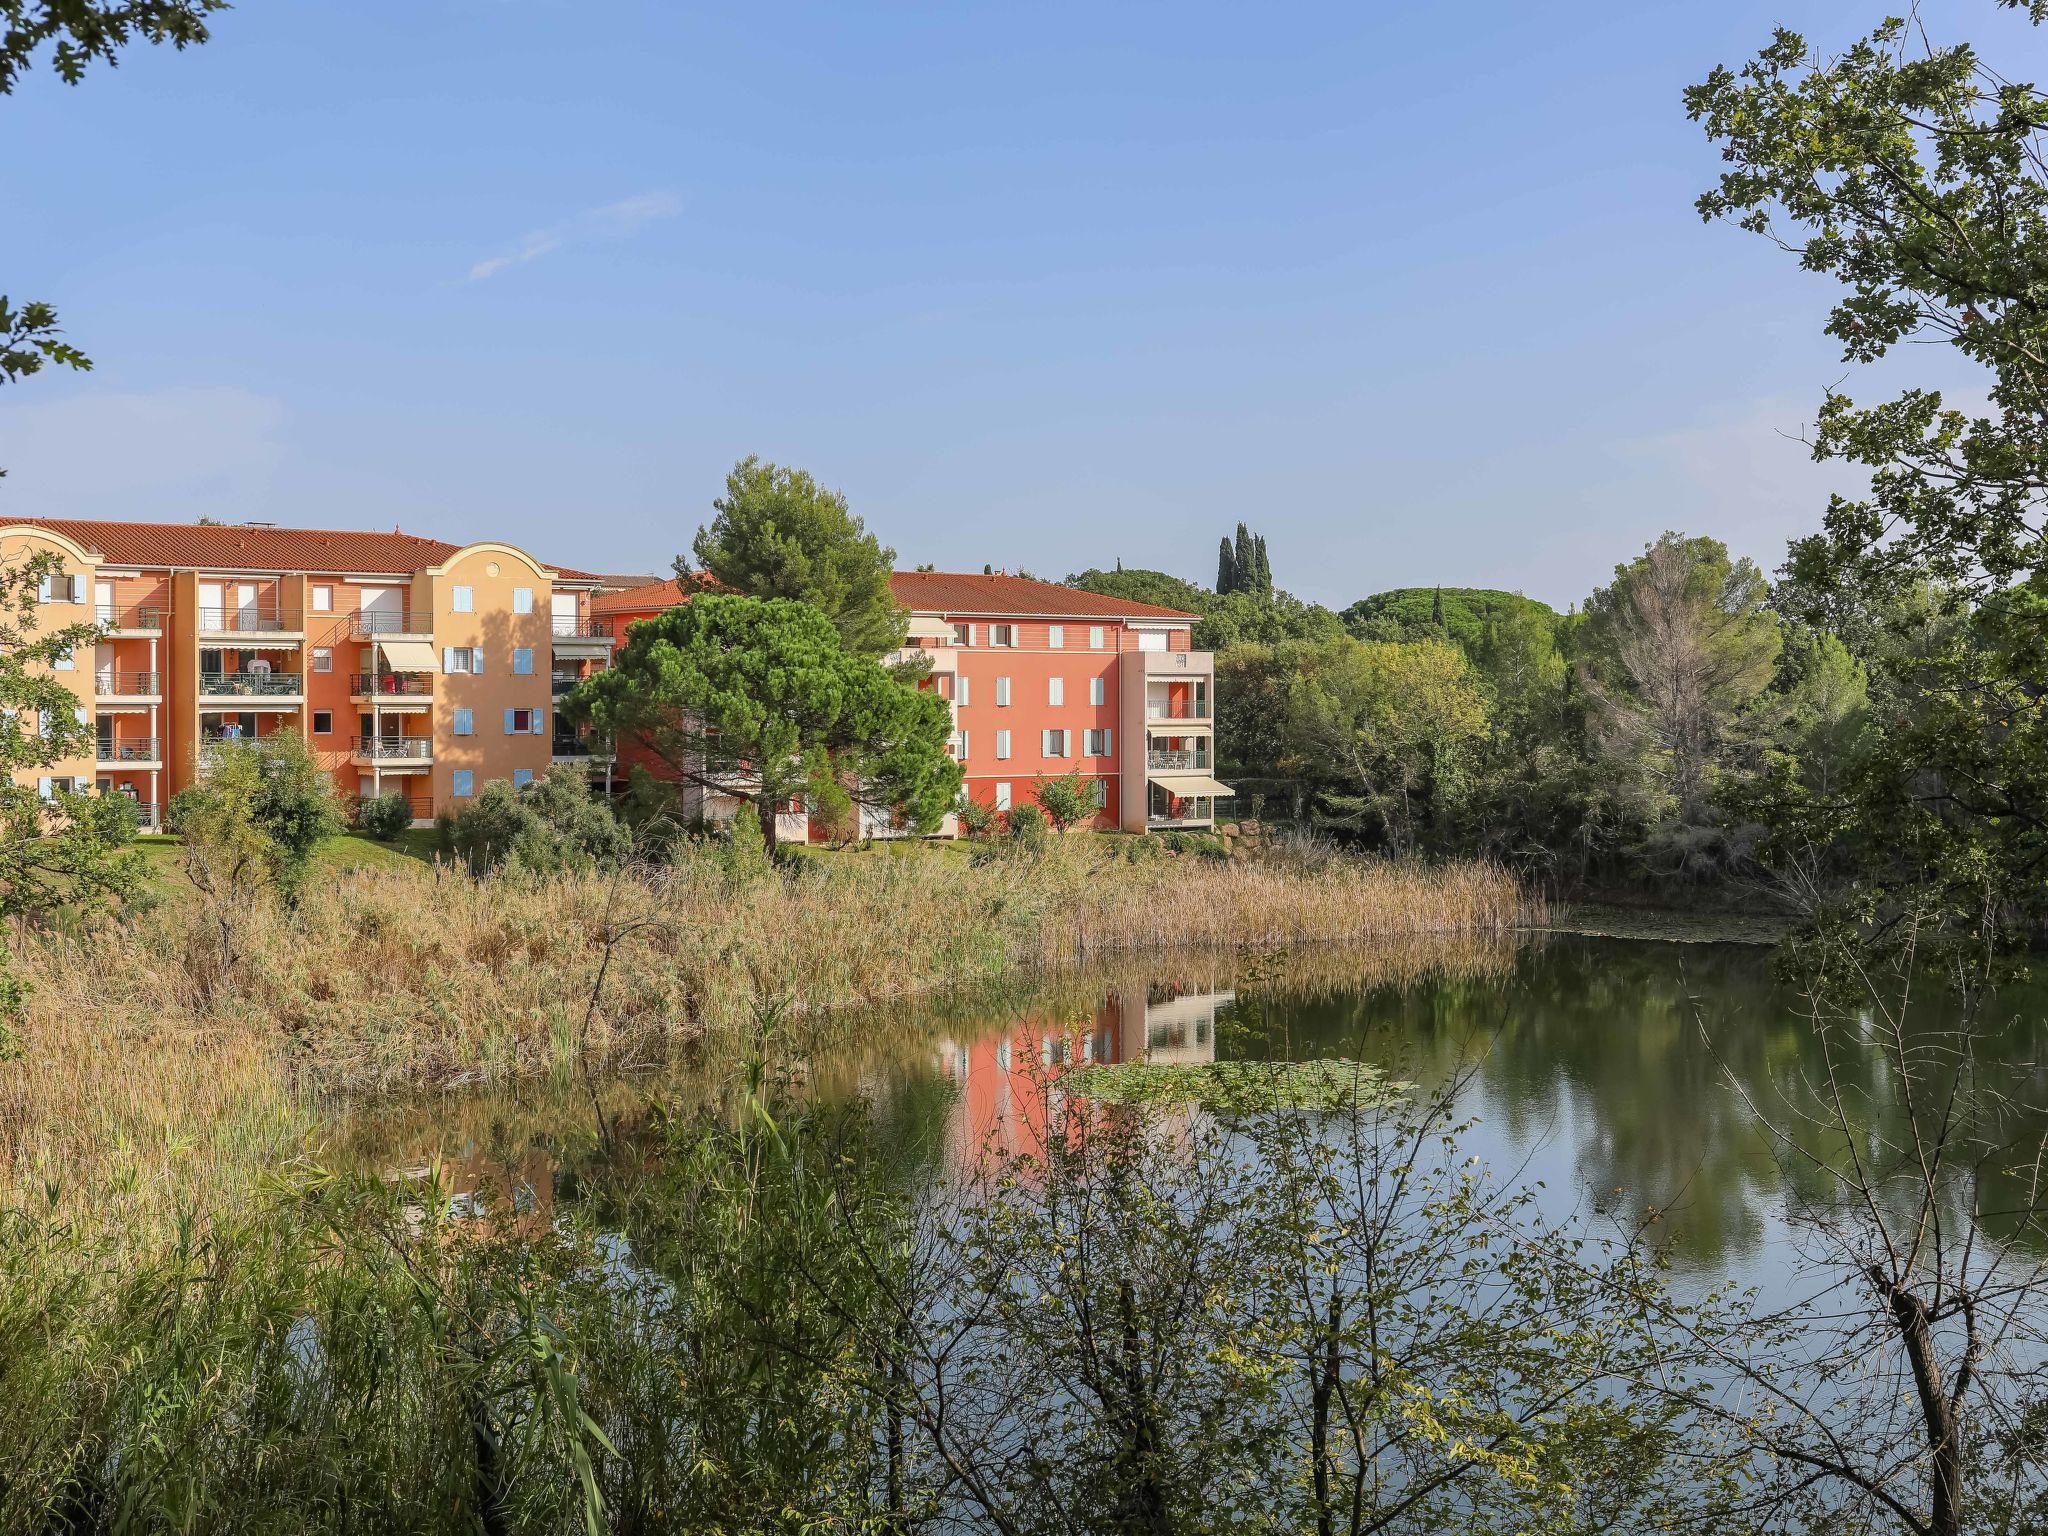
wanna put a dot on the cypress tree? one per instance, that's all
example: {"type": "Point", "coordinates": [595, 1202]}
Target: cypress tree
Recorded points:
{"type": "Point", "coordinates": [1264, 584]}
{"type": "Point", "coordinates": [1226, 568]}
{"type": "Point", "coordinates": [1436, 610]}
{"type": "Point", "coordinates": [1244, 564]}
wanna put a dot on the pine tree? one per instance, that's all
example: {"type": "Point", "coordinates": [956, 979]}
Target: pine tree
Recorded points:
{"type": "Point", "coordinates": [1226, 567]}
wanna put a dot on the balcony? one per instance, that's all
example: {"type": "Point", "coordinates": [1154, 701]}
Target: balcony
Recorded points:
{"type": "Point", "coordinates": [250, 620]}
{"type": "Point", "coordinates": [416, 686]}
{"type": "Point", "coordinates": [368, 623]}
{"type": "Point", "coordinates": [135, 751]}
{"type": "Point", "coordinates": [582, 638]}
{"type": "Point", "coordinates": [578, 749]}
{"type": "Point", "coordinates": [1177, 759]}
{"type": "Point", "coordinates": [1194, 707]}
{"type": "Point", "coordinates": [130, 618]}
{"type": "Point", "coordinates": [394, 749]}
{"type": "Point", "coordinates": [282, 689]}
{"type": "Point", "coordinates": [147, 818]}
{"type": "Point", "coordinates": [112, 684]}
{"type": "Point", "coordinates": [559, 685]}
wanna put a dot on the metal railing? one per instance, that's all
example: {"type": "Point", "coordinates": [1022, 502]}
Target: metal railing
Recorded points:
{"type": "Point", "coordinates": [128, 749]}
{"type": "Point", "coordinates": [561, 685]}
{"type": "Point", "coordinates": [371, 621]}
{"type": "Point", "coordinates": [582, 629]}
{"type": "Point", "coordinates": [1182, 709]}
{"type": "Point", "coordinates": [135, 616]}
{"type": "Point", "coordinates": [247, 621]}
{"type": "Point", "coordinates": [252, 685]}
{"type": "Point", "coordinates": [577, 746]}
{"type": "Point", "coordinates": [394, 746]}
{"type": "Point", "coordinates": [113, 685]}
{"type": "Point", "coordinates": [411, 685]}
{"type": "Point", "coordinates": [1176, 757]}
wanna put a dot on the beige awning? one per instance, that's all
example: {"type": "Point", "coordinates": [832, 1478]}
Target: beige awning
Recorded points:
{"type": "Point", "coordinates": [407, 655]}
{"type": "Point", "coordinates": [1185, 784]}
{"type": "Point", "coordinates": [924, 628]}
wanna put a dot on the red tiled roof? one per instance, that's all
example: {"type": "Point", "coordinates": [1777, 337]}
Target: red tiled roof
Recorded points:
{"type": "Point", "coordinates": [229, 547]}
{"type": "Point", "coordinates": [950, 592]}
{"type": "Point", "coordinates": [652, 598]}
{"type": "Point", "coordinates": [939, 592]}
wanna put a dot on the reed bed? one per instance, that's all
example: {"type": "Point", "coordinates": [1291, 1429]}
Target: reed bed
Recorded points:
{"type": "Point", "coordinates": [137, 1052]}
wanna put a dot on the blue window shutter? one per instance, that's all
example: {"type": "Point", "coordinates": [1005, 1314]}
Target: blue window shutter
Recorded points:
{"type": "Point", "coordinates": [447, 658]}
{"type": "Point", "coordinates": [476, 661]}
{"type": "Point", "coordinates": [508, 722]}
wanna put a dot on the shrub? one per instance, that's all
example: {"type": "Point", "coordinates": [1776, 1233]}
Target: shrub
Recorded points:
{"type": "Point", "coordinates": [977, 817]}
{"type": "Point", "coordinates": [385, 818]}
{"type": "Point", "coordinates": [546, 827]}
{"type": "Point", "coordinates": [1067, 800]}
{"type": "Point", "coordinates": [1027, 827]}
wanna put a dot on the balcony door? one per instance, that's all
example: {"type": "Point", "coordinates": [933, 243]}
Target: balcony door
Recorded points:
{"type": "Point", "coordinates": [383, 610]}
{"type": "Point", "coordinates": [213, 604]}
{"type": "Point", "coordinates": [103, 602]}
{"type": "Point", "coordinates": [245, 604]}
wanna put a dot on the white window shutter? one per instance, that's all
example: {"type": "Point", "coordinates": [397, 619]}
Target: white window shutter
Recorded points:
{"type": "Point", "coordinates": [1108, 742]}
{"type": "Point", "coordinates": [476, 661]}
{"type": "Point", "coordinates": [43, 786]}
{"type": "Point", "coordinates": [448, 658]}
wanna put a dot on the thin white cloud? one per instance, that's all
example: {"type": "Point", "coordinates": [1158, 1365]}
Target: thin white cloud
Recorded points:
{"type": "Point", "coordinates": [614, 221]}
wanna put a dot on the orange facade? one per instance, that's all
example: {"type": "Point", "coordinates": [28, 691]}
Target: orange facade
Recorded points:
{"type": "Point", "coordinates": [408, 665]}
{"type": "Point", "coordinates": [1045, 681]}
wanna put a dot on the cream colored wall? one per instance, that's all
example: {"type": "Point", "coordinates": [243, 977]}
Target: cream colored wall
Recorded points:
{"type": "Point", "coordinates": [17, 547]}
{"type": "Point", "coordinates": [491, 571]}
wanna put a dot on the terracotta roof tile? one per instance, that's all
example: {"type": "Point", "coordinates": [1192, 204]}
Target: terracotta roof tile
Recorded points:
{"type": "Point", "coordinates": [231, 547]}
{"type": "Point", "coordinates": [951, 592]}
{"type": "Point", "coordinates": [940, 592]}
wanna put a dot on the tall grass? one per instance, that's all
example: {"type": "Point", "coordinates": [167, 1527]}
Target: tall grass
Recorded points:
{"type": "Point", "coordinates": [141, 1061]}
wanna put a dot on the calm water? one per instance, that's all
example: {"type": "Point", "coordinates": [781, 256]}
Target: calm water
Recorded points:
{"type": "Point", "coordinates": [1605, 1069]}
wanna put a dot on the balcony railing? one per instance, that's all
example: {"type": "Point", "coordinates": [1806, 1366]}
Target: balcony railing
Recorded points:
{"type": "Point", "coordinates": [145, 810]}
{"type": "Point", "coordinates": [582, 629]}
{"type": "Point", "coordinates": [579, 746]}
{"type": "Point", "coordinates": [1176, 757]}
{"type": "Point", "coordinates": [128, 749]}
{"type": "Point", "coordinates": [561, 685]}
{"type": "Point", "coordinates": [248, 621]}
{"type": "Point", "coordinates": [252, 685]}
{"type": "Point", "coordinates": [1177, 709]}
{"type": "Point", "coordinates": [386, 747]}
{"type": "Point", "coordinates": [410, 685]}
{"type": "Point", "coordinates": [115, 685]}
{"type": "Point", "coordinates": [134, 616]}
{"type": "Point", "coordinates": [383, 621]}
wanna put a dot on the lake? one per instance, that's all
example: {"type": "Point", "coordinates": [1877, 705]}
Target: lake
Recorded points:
{"type": "Point", "coordinates": [1624, 1077]}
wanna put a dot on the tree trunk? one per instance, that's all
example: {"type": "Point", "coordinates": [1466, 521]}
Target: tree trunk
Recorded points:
{"type": "Point", "coordinates": [764, 807]}
{"type": "Point", "coordinates": [1941, 1423]}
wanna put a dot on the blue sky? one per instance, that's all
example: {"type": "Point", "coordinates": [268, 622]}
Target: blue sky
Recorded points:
{"type": "Point", "coordinates": [1416, 290]}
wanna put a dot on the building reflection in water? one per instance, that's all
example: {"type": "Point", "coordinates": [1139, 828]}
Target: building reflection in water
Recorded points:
{"type": "Point", "coordinates": [1009, 1099]}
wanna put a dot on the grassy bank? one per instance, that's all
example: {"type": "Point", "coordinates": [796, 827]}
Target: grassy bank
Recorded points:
{"type": "Point", "coordinates": [139, 1051]}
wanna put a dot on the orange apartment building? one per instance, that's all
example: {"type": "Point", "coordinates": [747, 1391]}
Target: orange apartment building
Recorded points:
{"type": "Point", "coordinates": [1043, 680]}
{"type": "Point", "coordinates": [409, 665]}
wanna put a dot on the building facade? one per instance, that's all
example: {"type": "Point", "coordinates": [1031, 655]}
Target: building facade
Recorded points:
{"type": "Point", "coordinates": [1043, 681]}
{"type": "Point", "coordinates": [408, 665]}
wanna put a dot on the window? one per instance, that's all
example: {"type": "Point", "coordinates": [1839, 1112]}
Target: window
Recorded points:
{"type": "Point", "coordinates": [1003, 804]}
{"type": "Point", "coordinates": [1002, 744]}
{"type": "Point", "coordinates": [61, 589]}
{"type": "Point", "coordinates": [459, 659]}
{"type": "Point", "coordinates": [963, 634]}
{"type": "Point", "coordinates": [1056, 636]}
{"type": "Point", "coordinates": [1098, 791]}
{"type": "Point", "coordinates": [522, 599]}
{"type": "Point", "coordinates": [323, 722]}
{"type": "Point", "coordinates": [960, 746]}
{"type": "Point", "coordinates": [960, 689]}
{"type": "Point", "coordinates": [1094, 637]}
{"type": "Point", "coordinates": [1002, 692]}
{"type": "Point", "coordinates": [522, 660]}
{"type": "Point", "coordinates": [521, 777]}
{"type": "Point", "coordinates": [64, 661]}
{"type": "Point", "coordinates": [462, 599]}
{"type": "Point", "coordinates": [465, 723]}
{"type": "Point", "coordinates": [1055, 743]}
{"type": "Point", "coordinates": [1002, 634]}
{"type": "Point", "coordinates": [1055, 690]}
{"type": "Point", "coordinates": [323, 599]}
{"type": "Point", "coordinates": [1096, 690]}
{"type": "Point", "coordinates": [323, 659]}
{"type": "Point", "coordinates": [1095, 743]}
{"type": "Point", "coordinates": [463, 782]}
{"type": "Point", "coordinates": [525, 722]}
{"type": "Point", "coordinates": [1151, 639]}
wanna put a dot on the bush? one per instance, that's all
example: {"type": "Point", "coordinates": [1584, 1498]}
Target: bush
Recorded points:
{"type": "Point", "coordinates": [977, 817]}
{"type": "Point", "coordinates": [1067, 800]}
{"type": "Point", "coordinates": [1027, 827]}
{"type": "Point", "coordinates": [546, 827]}
{"type": "Point", "coordinates": [385, 818]}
